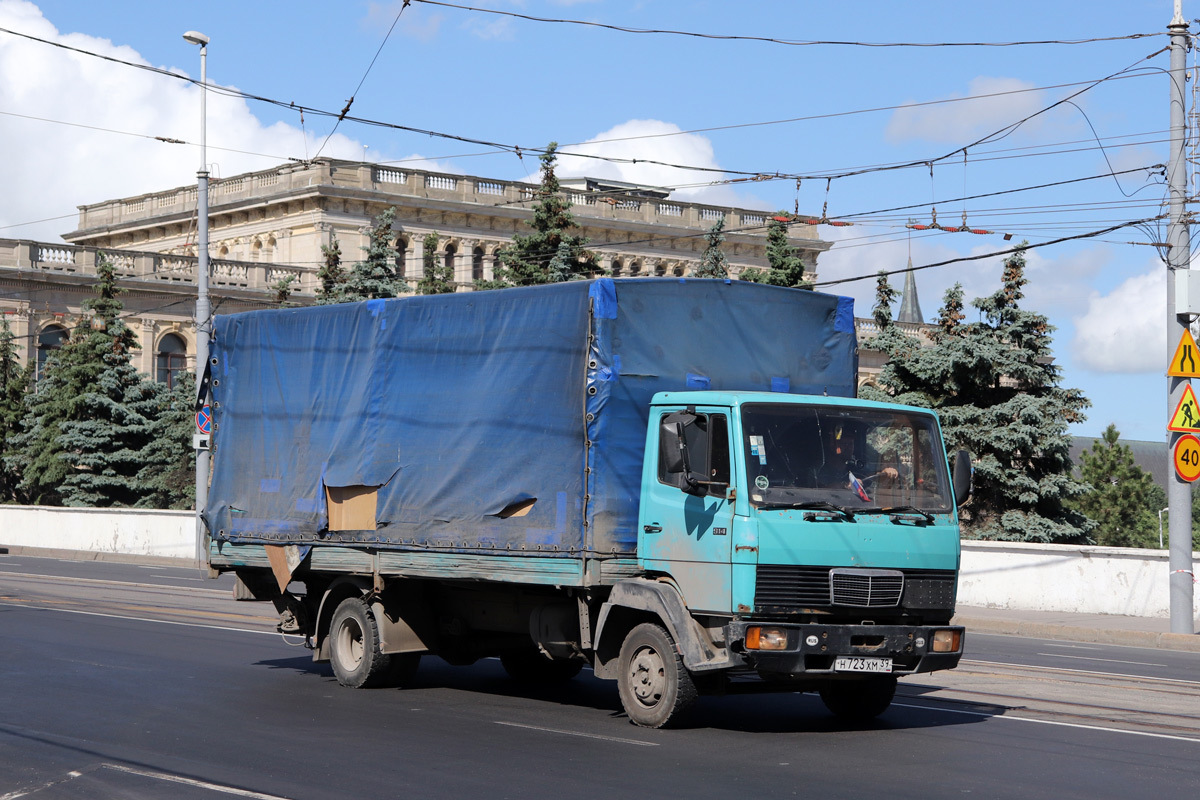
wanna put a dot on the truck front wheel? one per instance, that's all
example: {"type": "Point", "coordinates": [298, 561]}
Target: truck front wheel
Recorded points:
{"type": "Point", "coordinates": [859, 700]}
{"type": "Point", "coordinates": [655, 686]}
{"type": "Point", "coordinates": [354, 648]}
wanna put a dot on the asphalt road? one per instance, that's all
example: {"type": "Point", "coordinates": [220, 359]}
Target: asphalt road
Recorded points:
{"type": "Point", "coordinates": [119, 681]}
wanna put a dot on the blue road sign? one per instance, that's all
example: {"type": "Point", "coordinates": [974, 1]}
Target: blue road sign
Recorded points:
{"type": "Point", "coordinates": [204, 420]}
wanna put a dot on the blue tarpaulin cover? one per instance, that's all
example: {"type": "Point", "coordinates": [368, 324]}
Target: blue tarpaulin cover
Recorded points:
{"type": "Point", "coordinates": [460, 406]}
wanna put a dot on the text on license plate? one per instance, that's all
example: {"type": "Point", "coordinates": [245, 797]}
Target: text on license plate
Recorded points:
{"type": "Point", "coordinates": [861, 664]}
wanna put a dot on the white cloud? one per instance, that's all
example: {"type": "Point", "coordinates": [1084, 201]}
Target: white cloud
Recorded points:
{"type": "Point", "coordinates": [87, 127]}
{"type": "Point", "coordinates": [1124, 331]}
{"type": "Point", "coordinates": [667, 146]}
{"type": "Point", "coordinates": [997, 102]}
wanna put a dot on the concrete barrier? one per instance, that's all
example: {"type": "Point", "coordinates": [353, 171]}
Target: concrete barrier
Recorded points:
{"type": "Point", "coordinates": [102, 530]}
{"type": "Point", "coordinates": [1072, 578]}
{"type": "Point", "coordinates": [1001, 575]}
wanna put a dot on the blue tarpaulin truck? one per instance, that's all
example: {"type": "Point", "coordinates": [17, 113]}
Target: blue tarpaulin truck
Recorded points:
{"type": "Point", "coordinates": [669, 480]}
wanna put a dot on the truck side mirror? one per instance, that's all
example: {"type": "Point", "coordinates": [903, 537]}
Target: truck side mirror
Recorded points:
{"type": "Point", "coordinates": [674, 448]}
{"type": "Point", "coordinates": [962, 477]}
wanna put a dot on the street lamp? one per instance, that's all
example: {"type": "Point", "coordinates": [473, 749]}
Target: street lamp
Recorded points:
{"type": "Point", "coordinates": [203, 315]}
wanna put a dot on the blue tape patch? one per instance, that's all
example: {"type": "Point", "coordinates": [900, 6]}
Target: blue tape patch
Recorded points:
{"type": "Point", "coordinates": [781, 384]}
{"type": "Point", "coordinates": [375, 306]}
{"type": "Point", "coordinates": [843, 322]}
{"type": "Point", "coordinates": [697, 381]}
{"type": "Point", "coordinates": [604, 298]}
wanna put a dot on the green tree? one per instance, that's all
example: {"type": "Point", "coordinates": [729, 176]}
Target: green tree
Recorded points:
{"type": "Point", "coordinates": [167, 478]}
{"type": "Point", "coordinates": [331, 274]}
{"type": "Point", "coordinates": [786, 265]}
{"type": "Point", "coordinates": [713, 263]}
{"type": "Point", "coordinates": [550, 253]}
{"type": "Point", "coordinates": [1119, 496]}
{"type": "Point", "coordinates": [998, 395]}
{"type": "Point", "coordinates": [102, 438]}
{"type": "Point", "coordinates": [438, 277]}
{"type": "Point", "coordinates": [282, 289]}
{"type": "Point", "coordinates": [375, 276]}
{"type": "Point", "coordinates": [15, 381]}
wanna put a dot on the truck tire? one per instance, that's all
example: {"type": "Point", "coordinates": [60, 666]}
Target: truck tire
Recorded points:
{"type": "Point", "coordinates": [654, 685]}
{"type": "Point", "coordinates": [530, 666]}
{"type": "Point", "coordinates": [354, 647]}
{"type": "Point", "coordinates": [859, 700]}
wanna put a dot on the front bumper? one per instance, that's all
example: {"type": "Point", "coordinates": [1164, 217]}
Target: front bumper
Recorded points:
{"type": "Point", "coordinates": [811, 649]}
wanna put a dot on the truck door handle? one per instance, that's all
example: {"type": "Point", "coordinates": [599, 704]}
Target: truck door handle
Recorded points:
{"type": "Point", "coordinates": [652, 528]}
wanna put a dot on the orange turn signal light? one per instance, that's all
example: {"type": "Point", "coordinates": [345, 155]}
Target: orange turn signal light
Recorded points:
{"type": "Point", "coordinates": [760, 638]}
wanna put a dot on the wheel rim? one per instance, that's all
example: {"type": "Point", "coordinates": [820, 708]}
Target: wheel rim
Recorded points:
{"type": "Point", "coordinates": [647, 676]}
{"type": "Point", "coordinates": [348, 644]}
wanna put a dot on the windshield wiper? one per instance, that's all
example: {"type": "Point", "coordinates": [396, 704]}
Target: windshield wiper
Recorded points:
{"type": "Point", "coordinates": [899, 512]}
{"type": "Point", "coordinates": [814, 505]}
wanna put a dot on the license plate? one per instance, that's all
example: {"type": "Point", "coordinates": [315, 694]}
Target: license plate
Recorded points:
{"type": "Point", "coordinates": [861, 664]}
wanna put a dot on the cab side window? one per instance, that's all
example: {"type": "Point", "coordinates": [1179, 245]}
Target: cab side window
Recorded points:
{"type": "Point", "coordinates": [707, 439]}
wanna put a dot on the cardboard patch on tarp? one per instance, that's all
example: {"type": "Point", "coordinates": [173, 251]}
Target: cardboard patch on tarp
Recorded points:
{"type": "Point", "coordinates": [284, 559]}
{"type": "Point", "coordinates": [352, 508]}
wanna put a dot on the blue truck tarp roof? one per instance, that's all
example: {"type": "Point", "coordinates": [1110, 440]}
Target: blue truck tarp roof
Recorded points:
{"type": "Point", "coordinates": [460, 406]}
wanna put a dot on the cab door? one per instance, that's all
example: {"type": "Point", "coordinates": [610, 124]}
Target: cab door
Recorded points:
{"type": "Point", "coordinates": [684, 527]}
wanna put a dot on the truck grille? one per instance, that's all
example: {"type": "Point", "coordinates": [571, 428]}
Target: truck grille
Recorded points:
{"type": "Point", "coordinates": [866, 588]}
{"type": "Point", "coordinates": [789, 589]}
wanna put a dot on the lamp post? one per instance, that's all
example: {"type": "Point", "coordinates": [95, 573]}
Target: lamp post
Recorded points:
{"type": "Point", "coordinates": [203, 314]}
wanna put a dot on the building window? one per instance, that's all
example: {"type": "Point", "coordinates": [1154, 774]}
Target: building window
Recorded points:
{"type": "Point", "coordinates": [401, 256]}
{"type": "Point", "coordinates": [477, 264]}
{"type": "Point", "coordinates": [660, 269]}
{"type": "Point", "coordinates": [451, 257]}
{"type": "Point", "coordinates": [635, 268]}
{"type": "Point", "coordinates": [616, 267]}
{"type": "Point", "coordinates": [171, 361]}
{"type": "Point", "coordinates": [50, 339]}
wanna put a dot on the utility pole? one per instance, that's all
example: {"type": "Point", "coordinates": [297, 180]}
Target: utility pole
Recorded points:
{"type": "Point", "coordinates": [1179, 491]}
{"type": "Point", "coordinates": [203, 311]}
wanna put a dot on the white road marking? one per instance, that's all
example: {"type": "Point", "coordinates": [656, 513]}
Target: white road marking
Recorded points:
{"type": "Point", "coordinates": [1109, 660]}
{"type": "Point", "coordinates": [215, 787]}
{"type": "Point", "coordinates": [1191, 739]}
{"type": "Point", "coordinates": [1081, 672]}
{"type": "Point", "coordinates": [575, 733]}
{"type": "Point", "coordinates": [1073, 646]}
{"type": "Point", "coordinates": [102, 582]}
{"type": "Point", "coordinates": [138, 619]}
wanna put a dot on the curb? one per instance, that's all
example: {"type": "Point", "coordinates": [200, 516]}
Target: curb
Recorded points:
{"type": "Point", "coordinates": [91, 555]}
{"type": "Point", "coordinates": [1042, 630]}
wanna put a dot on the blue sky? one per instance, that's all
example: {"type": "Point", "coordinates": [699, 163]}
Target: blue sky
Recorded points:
{"type": "Point", "coordinates": [82, 129]}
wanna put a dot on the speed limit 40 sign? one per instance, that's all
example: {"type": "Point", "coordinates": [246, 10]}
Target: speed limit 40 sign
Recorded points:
{"type": "Point", "coordinates": [1187, 457]}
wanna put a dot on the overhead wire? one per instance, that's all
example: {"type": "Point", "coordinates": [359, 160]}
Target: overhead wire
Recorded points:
{"type": "Point", "coordinates": [772, 40]}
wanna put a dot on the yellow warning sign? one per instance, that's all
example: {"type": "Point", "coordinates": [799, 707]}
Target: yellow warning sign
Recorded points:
{"type": "Point", "coordinates": [1186, 361]}
{"type": "Point", "coordinates": [1187, 458]}
{"type": "Point", "coordinates": [1187, 416]}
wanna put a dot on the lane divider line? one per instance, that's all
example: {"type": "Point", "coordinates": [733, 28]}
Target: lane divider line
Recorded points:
{"type": "Point", "coordinates": [138, 619]}
{"type": "Point", "coordinates": [618, 739]}
{"type": "Point", "coordinates": [1193, 740]}
{"type": "Point", "coordinates": [213, 787]}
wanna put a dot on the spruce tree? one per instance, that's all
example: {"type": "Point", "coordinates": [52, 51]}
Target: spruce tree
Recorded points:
{"type": "Point", "coordinates": [550, 254]}
{"type": "Point", "coordinates": [15, 381]}
{"type": "Point", "coordinates": [282, 289]}
{"type": "Point", "coordinates": [786, 265]}
{"type": "Point", "coordinates": [999, 397]}
{"type": "Point", "coordinates": [896, 381]}
{"type": "Point", "coordinates": [167, 478]}
{"type": "Point", "coordinates": [331, 274]}
{"type": "Point", "coordinates": [102, 439]}
{"type": "Point", "coordinates": [375, 276]}
{"type": "Point", "coordinates": [1120, 496]}
{"type": "Point", "coordinates": [438, 277]}
{"type": "Point", "coordinates": [713, 263]}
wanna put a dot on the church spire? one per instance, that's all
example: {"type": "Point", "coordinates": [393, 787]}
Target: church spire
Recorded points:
{"type": "Point", "coordinates": [910, 306]}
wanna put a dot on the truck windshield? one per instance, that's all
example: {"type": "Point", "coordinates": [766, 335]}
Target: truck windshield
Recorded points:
{"type": "Point", "coordinates": [854, 458]}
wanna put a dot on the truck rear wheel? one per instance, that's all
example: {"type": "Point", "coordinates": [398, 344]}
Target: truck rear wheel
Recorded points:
{"type": "Point", "coordinates": [859, 700]}
{"type": "Point", "coordinates": [354, 648]}
{"type": "Point", "coordinates": [654, 685]}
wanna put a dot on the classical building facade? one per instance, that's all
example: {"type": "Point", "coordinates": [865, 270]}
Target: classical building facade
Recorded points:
{"type": "Point", "coordinates": [270, 226]}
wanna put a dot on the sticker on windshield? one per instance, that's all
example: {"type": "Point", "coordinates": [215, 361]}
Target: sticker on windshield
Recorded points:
{"type": "Point", "coordinates": [762, 482]}
{"type": "Point", "coordinates": [758, 449]}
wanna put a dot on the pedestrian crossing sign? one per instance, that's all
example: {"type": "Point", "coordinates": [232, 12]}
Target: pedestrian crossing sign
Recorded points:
{"type": "Point", "coordinates": [1186, 418]}
{"type": "Point", "coordinates": [1186, 361]}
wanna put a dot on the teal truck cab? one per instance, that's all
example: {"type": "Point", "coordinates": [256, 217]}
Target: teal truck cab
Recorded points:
{"type": "Point", "coordinates": [670, 481]}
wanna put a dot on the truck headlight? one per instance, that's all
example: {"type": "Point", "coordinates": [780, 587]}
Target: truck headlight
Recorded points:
{"type": "Point", "coordinates": [759, 638]}
{"type": "Point", "coordinates": [946, 641]}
